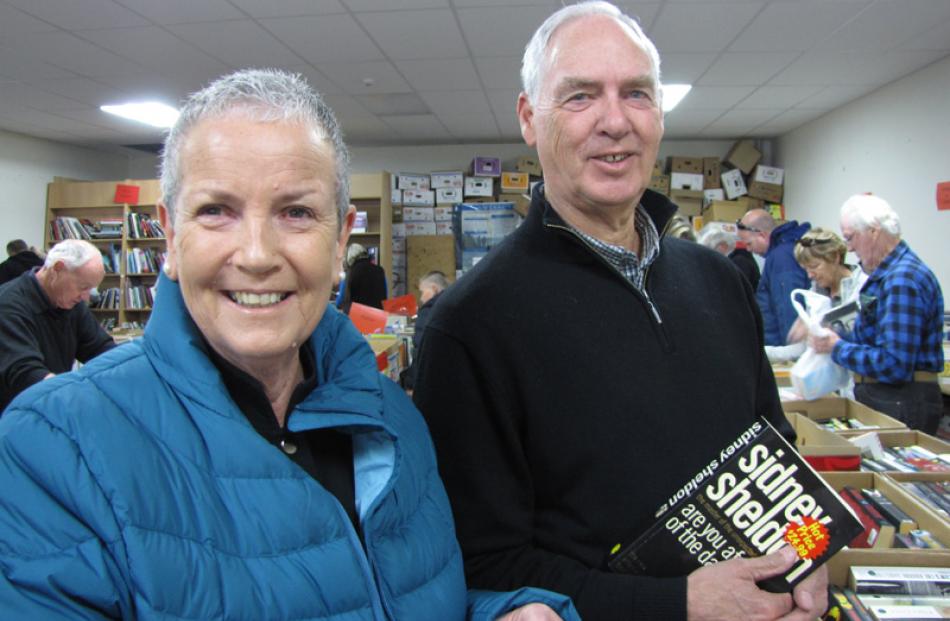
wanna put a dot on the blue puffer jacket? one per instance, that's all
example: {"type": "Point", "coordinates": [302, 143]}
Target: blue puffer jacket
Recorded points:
{"type": "Point", "coordinates": [780, 276]}
{"type": "Point", "coordinates": [136, 489]}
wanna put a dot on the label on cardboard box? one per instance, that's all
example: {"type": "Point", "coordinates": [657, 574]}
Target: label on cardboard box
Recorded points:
{"type": "Point", "coordinates": [733, 183]}
{"type": "Point", "coordinates": [686, 181]}
{"type": "Point", "coordinates": [443, 214]}
{"type": "Point", "coordinates": [486, 166]}
{"type": "Point", "coordinates": [447, 179]}
{"type": "Point", "coordinates": [418, 197]}
{"type": "Point", "coordinates": [528, 164]}
{"type": "Point", "coordinates": [420, 228]}
{"type": "Point", "coordinates": [412, 181]}
{"type": "Point", "coordinates": [716, 194]}
{"type": "Point", "coordinates": [397, 197]}
{"type": "Point", "coordinates": [769, 174]}
{"type": "Point", "coordinates": [448, 196]}
{"type": "Point", "coordinates": [444, 228]}
{"type": "Point", "coordinates": [514, 181]}
{"type": "Point", "coordinates": [418, 214]}
{"type": "Point", "coordinates": [478, 186]}
{"type": "Point", "coordinates": [399, 229]}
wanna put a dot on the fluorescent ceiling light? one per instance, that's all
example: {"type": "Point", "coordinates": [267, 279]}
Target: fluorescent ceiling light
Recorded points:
{"type": "Point", "coordinates": [673, 94]}
{"type": "Point", "coordinates": [149, 112]}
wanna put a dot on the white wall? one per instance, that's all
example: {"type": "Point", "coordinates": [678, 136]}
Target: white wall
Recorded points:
{"type": "Point", "coordinates": [894, 142]}
{"type": "Point", "coordinates": [27, 164]}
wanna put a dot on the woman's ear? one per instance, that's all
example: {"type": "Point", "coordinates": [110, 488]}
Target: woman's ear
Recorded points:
{"type": "Point", "coordinates": [170, 267]}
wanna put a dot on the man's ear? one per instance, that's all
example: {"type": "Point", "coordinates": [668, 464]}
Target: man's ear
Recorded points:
{"type": "Point", "coordinates": [526, 120]}
{"type": "Point", "coordinates": [171, 258]}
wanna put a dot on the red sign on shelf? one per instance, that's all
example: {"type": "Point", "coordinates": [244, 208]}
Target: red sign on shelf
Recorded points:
{"type": "Point", "coordinates": [943, 196]}
{"type": "Point", "coordinates": [126, 194]}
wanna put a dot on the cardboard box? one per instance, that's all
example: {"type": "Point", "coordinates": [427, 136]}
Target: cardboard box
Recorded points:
{"type": "Point", "coordinates": [418, 228]}
{"type": "Point", "coordinates": [418, 214]}
{"type": "Point", "coordinates": [444, 228]}
{"type": "Point", "coordinates": [485, 167]}
{"type": "Point", "coordinates": [690, 202]}
{"type": "Point", "coordinates": [910, 438]}
{"type": "Point", "coordinates": [443, 214]}
{"type": "Point", "coordinates": [396, 197]}
{"type": "Point", "coordinates": [424, 198]}
{"type": "Point", "coordinates": [448, 196]}
{"type": "Point", "coordinates": [522, 202]}
{"type": "Point", "coordinates": [397, 213]}
{"type": "Point", "coordinates": [412, 181]}
{"type": "Point", "coordinates": [478, 186]}
{"type": "Point", "coordinates": [839, 407]}
{"type": "Point", "coordinates": [399, 245]}
{"type": "Point", "coordinates": [514, 182]}
{"type": "Point", "coordinates": [769, 174]}
{"type": "Point", "coordinates": [685, 181]}
{"type": "Point", "coordinates": [900, 478]}
{"type": "Point", "coordinates": [661, 184]}
{"type": "Point", "coordinates": [692, 165]}
{"type": "Point", "coordinates": [777, 210]}
{"type": "Point", "coordinates": [711, 172]}
{"type": "Point", "coordinates": [528, 164]}
{"type": "Point", "coordinates": [447, 179]}
{"type": "Point", "coordinates": [822, 449]}
{"type": "Point", "coordinates": [733, 183]}
{"type": "Point", "coordinates": [766, 183]}
{"type": "Point", "coordinates": [743, 155]}
{"type": "Point", "coordinates": [398, 230]}
{"type": "Point", "coordinates": [716, 194]}
{"type": "Point", "coordinates": [724, 211]}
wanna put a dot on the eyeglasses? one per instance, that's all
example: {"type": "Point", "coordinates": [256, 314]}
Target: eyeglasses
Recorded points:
{"type": "Point", "coordinates": [808, 242]}
{"type": "Point", "coordinates": [743, 227]}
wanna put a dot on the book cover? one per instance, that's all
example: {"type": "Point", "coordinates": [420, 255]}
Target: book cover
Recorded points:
{"type": "Point", "coordinates": [755, 495]}
{"type": "Point", "coordinates": [891, 581]}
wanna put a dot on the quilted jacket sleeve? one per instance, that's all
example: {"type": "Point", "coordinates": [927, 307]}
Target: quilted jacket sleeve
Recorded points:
{"type": "Point", "coordinates": [58, 535]}
{"type": "Point", "coordinates": [489, 605]}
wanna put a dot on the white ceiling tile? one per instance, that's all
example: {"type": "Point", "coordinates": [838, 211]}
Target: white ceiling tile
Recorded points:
{"type": "Point", "coordinates": [505, 3]}
{"type": "Point", "coordinates": [45, 119]}
{"type": "Point", "coordinates": [72, 15]}
{"type": "Point", "coordinates": [685, 123]}
{"type": "Point", "coordinates": [937, 38]}
{"type": "Point", "coordinates": [240, 43]}
{"type": "Point", "coordinates": [833, 96]}
{"type": "Point", "coordinates": [502, 72]}
{"type": "Point", "coordinates": [795, 26]}
{"type": "Point", "coordinates": [742, 68]}
{"type": "Point", "coordinates": [472, 127]}
{"type": "Point", "coordinates": [440, 75]}
{"type": "Point", "coordinates": [393, 104]}
{"type": "Point", "coordinates": [644, 12]}
{"type": "Point", "coordinates": [288, 8]}
{"type": "Point", "coordinates": [700, 27]}
{"type": "Point", "coordinates": [772, 97]}
{"type": "Point", "coordinates": [325, 39]}
{"type": "Point", "coordinates": [786, 122]}
{"type": "Point", "coordinates": [358, 6]}
{"type": "Point", "coordinates": [321, 83]}
{"type": "Point", "coordinates": [713, 97]}
{"type": "Point", "coordinates": [685, 68]}
{"type": "Point", "coordinates": [367, 131]}
{"type": "Point", "coordinates": [501, 32]}
{"type": "Point", "coordinates": [183, 11]}
{"type": "Point", "coordinates": [738, 123]}
{"type": "Point", "coordinates": [853, 68]}
{"type": "Point", "coordinates": [432, 33]}
{"type": "Point", "coordinates": [351, 77]}
{"type": "Point", "coordinates": [157, 49]}
{"type": "Point", "coordinates": [13, 21]}
{"type": "Point", "coordinates": [510, 129]}
{"type": "Point", "coordinates": [457, 103]}
{"type": "Point", "coordinates": [346, 107]}
{"type": "Point", "coordinates": [16, 66]}
{"type": "Point", "coordinates": [72, 53]}
{"type": "Point", "coordinates": [423, 126]}
{"type": "Point", "coordinates": [886, 23]}
{"type": "Point", "coordinates": [504, 103]}
{"type": "Point", "coordinates": [151, 86]}
{"type": "Point", "coordinates": [27, 96]}
{"type": "Point", "coordinates": [85, 90]}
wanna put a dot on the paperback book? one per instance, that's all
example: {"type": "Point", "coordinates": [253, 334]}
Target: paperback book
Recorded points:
{"type": "Point", "coordinates": [754, 496]}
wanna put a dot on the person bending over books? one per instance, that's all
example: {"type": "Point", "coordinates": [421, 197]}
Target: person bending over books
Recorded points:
{"type": "Point", "coordinates": [244, 459]}
{"type": "Point", "coordinates": [821, 254]}
{"type": "Point", "coordinates": [45, 322]}
{"type": "Point", "coordinates": [590, 365]}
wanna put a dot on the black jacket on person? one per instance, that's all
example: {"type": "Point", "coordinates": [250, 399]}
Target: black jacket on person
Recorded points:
{"type": "Point", "coordinates": [17, 264]}
{"type": "Point", "coordinates": [365, 283]}
{"type": "Point", "coordinates": [747, 265]}
{"type": "Point", "coordinates": [37, 338]}
{"type": "Point", "coordinates": [422, 320]}
{"type": "Point", "coordinates": [565, 410]}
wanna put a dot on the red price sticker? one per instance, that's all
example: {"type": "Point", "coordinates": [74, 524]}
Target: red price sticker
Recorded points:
{"type": "Point", "coordinates": [810, 538]}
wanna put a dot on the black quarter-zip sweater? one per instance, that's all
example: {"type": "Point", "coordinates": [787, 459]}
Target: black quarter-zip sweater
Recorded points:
{"type": "Point", "coordinates": [565, 411]}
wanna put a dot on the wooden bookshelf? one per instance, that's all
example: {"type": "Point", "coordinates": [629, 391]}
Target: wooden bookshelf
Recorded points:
{"type": "Point", "coordinates": [372, 193]}
{"type": "Point", "coordinates": [94, 201]}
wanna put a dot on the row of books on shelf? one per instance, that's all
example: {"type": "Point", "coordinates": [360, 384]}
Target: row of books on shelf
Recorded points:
{"type": "Point", "coordinates": [137, 260]}
{"type": "Point", "coordinates": [136, 297]}
{"type": "Point", "coordinates": [143, 226]}
{"type": "Point", "coordinates": [111, 324]}
{"type": "Point", "coordinates": [879, 593]}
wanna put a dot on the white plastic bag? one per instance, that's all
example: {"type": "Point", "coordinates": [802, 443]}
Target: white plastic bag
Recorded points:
{"type": "Point", "coordinates": [815, 375]}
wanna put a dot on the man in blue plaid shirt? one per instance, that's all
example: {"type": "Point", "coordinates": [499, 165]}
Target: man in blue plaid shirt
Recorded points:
{"type": "Point", "coordinates": [895, 350]}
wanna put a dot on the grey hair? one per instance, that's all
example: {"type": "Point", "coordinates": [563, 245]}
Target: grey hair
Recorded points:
{"type": "Point", "coordinates": [864, 211]}
{"type": "Point", "coordinates": [436, 279]}
{"type": "Point", "coordinates": [535, 53]}
{"type": "Point", "coordinates": [74, 253]}
{"type": "Point", "coordinates": [354, 252]}
{"type": "Point", "coordinates": [713, 239]}
{"type": "Point", "coordinates": [266, 95]}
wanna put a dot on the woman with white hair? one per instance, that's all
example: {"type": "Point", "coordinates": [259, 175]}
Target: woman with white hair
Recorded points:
{"type": "Point", "coordinates": [244, 459]}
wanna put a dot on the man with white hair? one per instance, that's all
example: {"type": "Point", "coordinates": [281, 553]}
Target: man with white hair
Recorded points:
{"type": "Point", "coordinates": [575, 377]}
{"type": "Point", "coordinates": [45, 323]}
{"type": "Point", "coordinates": [895, 349]}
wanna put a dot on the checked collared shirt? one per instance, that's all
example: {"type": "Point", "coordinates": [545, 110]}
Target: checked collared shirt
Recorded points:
{"type": "Point", "coordinates": [900, 327]}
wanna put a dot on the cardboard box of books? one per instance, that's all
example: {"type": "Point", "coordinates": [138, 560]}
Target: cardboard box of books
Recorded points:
{"type": "Point", "coordinates": [743, 155]}
{"type": "Point", "coordinates": [822, 449]}
{"type": "Point", "coordinates": [912, 451]}
{"type": "Point", "coordinates": [725, 211]}
{"type": "Point", "coordinates": [754, 496]}
{"type": "Point", "coordinates": [891, 515]}
{"type": "Point", "coordinates": [660, 183]}
{"type": "Point", "coordinates": [931, 490]}
{"type": "Point", "coordinates": [690, 202]}
{"type": "Point", "coordinates": [853, 418]}
{"type": "Point", "coordinates": [869, 585]}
